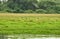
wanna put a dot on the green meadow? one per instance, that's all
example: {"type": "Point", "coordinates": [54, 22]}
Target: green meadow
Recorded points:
{"type": "Point", "coordinates": [44, 24]}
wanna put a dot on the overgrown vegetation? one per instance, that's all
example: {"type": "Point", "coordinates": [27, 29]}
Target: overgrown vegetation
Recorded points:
{"type": "Point", "coordinates": [30, 24]}
{"type": "Point", "coordinates": [30, 6]}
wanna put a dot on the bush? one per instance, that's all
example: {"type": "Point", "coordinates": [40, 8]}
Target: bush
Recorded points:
{"type": "Point", "coordinates": [28, 11]}
{"type": "Point", "coordinates": [15, 11]}
{"type": "Point", "coordinates": [50, 11]}
{"type": "Point", "coordinates": [57, 9]}
{"type": "Point", "coordinates": [40, 11]}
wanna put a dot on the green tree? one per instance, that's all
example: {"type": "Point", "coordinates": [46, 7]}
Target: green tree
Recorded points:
{"type": "Point", "coordinates": [47, 5]}
{"type": "Point", "coordinates": [17, 5]}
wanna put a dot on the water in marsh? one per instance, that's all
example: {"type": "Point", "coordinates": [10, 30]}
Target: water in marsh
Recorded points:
{"type": "Point", "coordinates": [29, 37]}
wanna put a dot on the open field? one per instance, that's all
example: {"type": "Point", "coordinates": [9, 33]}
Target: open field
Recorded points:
{"type": "Point", "coordinates": [30, 24]}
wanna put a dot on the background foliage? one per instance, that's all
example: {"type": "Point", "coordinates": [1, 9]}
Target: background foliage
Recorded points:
{"type": "Point", "coordinates": [30, 6]}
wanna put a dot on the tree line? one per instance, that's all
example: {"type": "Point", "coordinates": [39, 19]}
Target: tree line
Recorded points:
{"type": "Point", "coordinates": [29, 6]}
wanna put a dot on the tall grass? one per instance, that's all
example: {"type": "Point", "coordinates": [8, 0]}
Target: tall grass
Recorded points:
{"type": "Point", "coordinates": [30, 24]}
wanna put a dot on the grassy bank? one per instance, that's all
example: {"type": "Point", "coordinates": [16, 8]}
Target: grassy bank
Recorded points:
{"type": "Point", "coordinates": [30, 24]}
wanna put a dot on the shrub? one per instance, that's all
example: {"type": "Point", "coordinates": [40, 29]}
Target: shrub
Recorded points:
{"type": "Point", "coordinates": [28, 11]}
{"type": "Point", "coordinates": [40, 11]}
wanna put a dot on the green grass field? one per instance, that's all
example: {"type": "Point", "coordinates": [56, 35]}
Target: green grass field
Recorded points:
{"type": "Point", "coordinates": [30, 24]}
